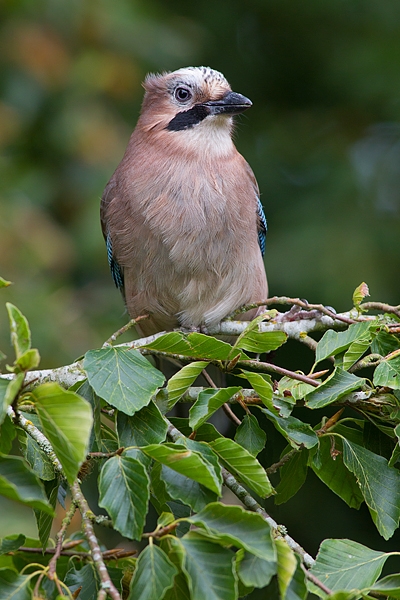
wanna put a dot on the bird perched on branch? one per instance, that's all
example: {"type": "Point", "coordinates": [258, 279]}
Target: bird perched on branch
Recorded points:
{"type": "Point", "coordinates": [181, 216]}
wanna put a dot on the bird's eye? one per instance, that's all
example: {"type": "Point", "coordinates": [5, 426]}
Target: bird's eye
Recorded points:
{"type": "Point", "coordinates": [182, 94]}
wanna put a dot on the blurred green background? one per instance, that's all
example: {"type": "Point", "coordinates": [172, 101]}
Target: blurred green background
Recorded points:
{"type": "Point", "coordinates": [323, 139]}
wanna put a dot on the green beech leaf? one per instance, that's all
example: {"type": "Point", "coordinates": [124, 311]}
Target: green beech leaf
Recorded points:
{"type": "Point", "coordinates": [347, 565]}
{"type": "Point", "coordinates": [256, 341]}
{"type": "Point", "coordinates": [356, 350]}
{"type": "Point", "coordinates": [9, 390]}
{"type": "Point", "coordinates": [297, 389]}
{"type": "Point", "coordinates": [205, 433]}
{"type": "Point", "coordinates": [4, 282]}
{"type": "Point", "coordinates": [87, 392]}
{"type": "Point", "coordinates": [336, 475]}
{"type": "Point", "coordinates": [39, 462]}
{"type": "Point", "coordinates": [297, 589]}
{"type": "Point", "coordinates": [66, 420]}
{"type": "Point", "coordinates": [20, 332]}
{"type": "Point", "coordinates": [28, 360]}
{"type": "Point", "coordinates": [11, 543]}
{"type": "Point", "coordinates": [176, 553]}
{"type": "Point", "coordinates": [208, 568]}
{"type": "Point", "coordinates": [124, 493]}
{"type": "Point", "coordinates": [87, 581]}
{"type": "Point", "coordinates": [188, 491]}
{"type": "Point", "coordinates": [387, 374]}
{"type": "Point", "coordinates": [187, 462]}
{"type": "Point", "coordinates": [287, 565]}
{"type": "Point", "coordinates": [379, 484]}
{"type": "Point", "coordinates": [180, 591]}
{"type": "Point", "coordinates": [182, 380]}
{"type": "Point", "coordinates": [195, 345]}
{"type": "Point", "coordinates": [208, 402]}
{"type": "Point", "coordinates": [44, 520]}
{"type": "Point", "coordinates": [339, 384]}
{"type": "Point", "coordinates": [84, 579]}
{"type": "Point", "coordinates": [333, 342]}
{"type": "Point", "coordinates": [254, 571]}
{"type": "Point", "coordinates": [250, 435]}
{"type": "Point", "coordinates": [14, 586]}
{"type": "Point", "coordinates": [123, 378]}
{"type": "Point", "coordinates": [234, 525]}
{"type": "Point", "coordinates": [153, 576]}
{"type": "Point", "coordinates": [293, 475]}
{"type": "Point", "coordinates": [360, 293]}
{"type": "Point", "coordinates": [8, 432]}
{"type": "Point", "coordinates": [159, 495]}
{"type": "Point", "coordinates": [147, 426]}
{"type": "Point", "coordinates": [295, 431]}
{"type": "Point", "coordinates": [17, 482]}
{"type": "Point", "coordinates": [262, 384]}
{"type": "Point", "coordinates": [388, 586]}
{"type": "Point", "coordinates": [208, 456]}
{"type": "Point", "coordinates": [384, 343]}
{"type": "Point", "coordinates": [242, 464]}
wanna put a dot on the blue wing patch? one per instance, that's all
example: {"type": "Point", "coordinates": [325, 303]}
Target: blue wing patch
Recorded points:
{"type": "Point", "coordinates": [115, 269]}
{"type": "Point", "coordinates": [262, 226]}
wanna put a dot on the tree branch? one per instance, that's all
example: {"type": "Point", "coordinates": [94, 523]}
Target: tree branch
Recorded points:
{"type": "Point", "coordinates": [297, 325]}
{"type": "Point", "coordinates": [285, 300]}
{"type": "Point", "coordinates": [77, 498]}
{"type": "Point", "coordinates": [60, 539]}
{"type": "Point", "coordinates": [381, 306]}
{"type": "Point", "coordinates": [269, 367]}
{"type": "Point", "coordinates": [106, 583]}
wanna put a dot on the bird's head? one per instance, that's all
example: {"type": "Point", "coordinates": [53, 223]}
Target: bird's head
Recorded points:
{"type": "Point", "coordinates": [190, 103]}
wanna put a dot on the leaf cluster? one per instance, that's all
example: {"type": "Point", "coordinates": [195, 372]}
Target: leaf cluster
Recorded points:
{"type": "Point", "coordinates": [201, 547]}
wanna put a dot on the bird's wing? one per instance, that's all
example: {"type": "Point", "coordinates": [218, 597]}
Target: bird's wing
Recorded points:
{"type": "Point", "coordinates": [261, 219]}
{"type": "Point", "coordinates": [116, 269]}
{"type": "Point", "coordinates": [261, 226]}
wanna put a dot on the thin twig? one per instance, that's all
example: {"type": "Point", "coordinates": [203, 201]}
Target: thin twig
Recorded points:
{"type": "Point", "coordinates": [124, 329]}
{"type": "Point", "coordinates": [161, 531]}
{"type": "Point", "coordinates": [105, 454]}
{"type": "Point", "coordinates": [285, 458]}
{"type": "Point", "coordinates": [101, 568]}
{"type": "Point", "coordinates": [311, 577]}
{"type": "Point", "coordinates": [382, 306]}
{"type": "Point", "coordinates": [294, 302]}
{"type": "Point", "coordinates": [60, 538]}
{"type": "Point", "coordinates": [107, 555]}
{"type": "Point", "coordinates": [269, 367]}
{"type": "Point", "coordinates": [230, 414]}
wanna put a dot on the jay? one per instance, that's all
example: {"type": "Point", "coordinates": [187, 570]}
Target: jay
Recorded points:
{"type": "Point", "coordinates": [181, 216]}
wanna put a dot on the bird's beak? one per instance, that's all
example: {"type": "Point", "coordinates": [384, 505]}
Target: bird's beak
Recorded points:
{"type": "Point", "coordinates": [230, 104]}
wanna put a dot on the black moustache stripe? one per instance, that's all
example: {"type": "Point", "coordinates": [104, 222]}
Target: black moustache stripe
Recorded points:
{"type": "Point", "coordinates": [188, 118]}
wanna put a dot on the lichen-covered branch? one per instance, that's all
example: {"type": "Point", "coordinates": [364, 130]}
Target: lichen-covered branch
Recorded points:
{"type": "Point", "coordinates": [77, 498]}
{"type": "Point", "coordinates": [106, 583]}
{"type": "Point", "coordinates": [65, 376]}
{"type": "Point", "coordinates": [37, 435]}
{"type": "Point", "coordinates": [296, 324]}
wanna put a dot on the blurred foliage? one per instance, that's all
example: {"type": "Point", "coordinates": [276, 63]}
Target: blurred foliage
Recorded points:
{"type": "Point", "coordinates": [323, 138]}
